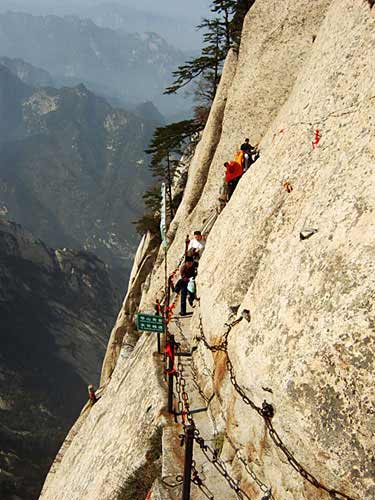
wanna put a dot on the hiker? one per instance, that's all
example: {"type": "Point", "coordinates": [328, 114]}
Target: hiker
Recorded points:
{"type": "Point", "coordinates": [223, 196]}
{"type": "Point", "coordinates": [92, 397]}
{"type": "Point", "coordinates": [196, 246]}
{"type": "Point", "coordinates": [233, 173]}
{"type": "Point", "coordinates": [249, 151]}
{"type": "Point", "coordinates": [239, 157]}
{"type": "Point", "coordinates": [246, 147]}
{"type": "Point", "coordinates": [187, 271]}
{"type": "Point", "coordinates": [158, 308]}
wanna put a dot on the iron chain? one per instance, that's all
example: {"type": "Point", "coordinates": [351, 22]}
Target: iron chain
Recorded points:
{"type": "Point", "coordinates": [266, 412]}
{"type": "Point", "coordinates": [210, 454]}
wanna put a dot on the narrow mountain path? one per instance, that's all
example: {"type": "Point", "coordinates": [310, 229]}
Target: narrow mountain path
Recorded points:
{"type": "Point", "coordinates": [214, 485]}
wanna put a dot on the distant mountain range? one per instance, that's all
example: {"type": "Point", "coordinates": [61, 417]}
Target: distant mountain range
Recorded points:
{"type": "Point", "coordinates": [129, 16]}
{"type": "Point", "coordinates": [72, 170]}
{"type": "Point", "coordinates": [128, 66]}
{"type": "Point", "coordinates": [56, 311]}
{"type": "Point", "coordinates": [72, 167]}
{"type": "Point", "coordinates": [178, 30]}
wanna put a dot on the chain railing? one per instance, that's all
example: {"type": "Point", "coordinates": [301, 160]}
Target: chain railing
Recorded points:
{"type": "Point", "coordinates": [184, 410]}
{"type": "Point", "coordinates": [267, 413]}
{"type": "Point", "coordinates": [183, 406]}
{"type": "Point", "coordinates": [262, 486]}
{"type": "Point", "coordinates": [197, 480]}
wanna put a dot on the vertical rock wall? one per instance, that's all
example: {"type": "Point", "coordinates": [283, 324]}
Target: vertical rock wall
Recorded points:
{"type": "Point", "coordinates": [305, 70]}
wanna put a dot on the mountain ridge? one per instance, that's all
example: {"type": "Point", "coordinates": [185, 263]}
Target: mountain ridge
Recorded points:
{"type": "Point", "coordinates": [72, 167]}
{"type": "Point", "coordinates": [128, 66]}
{"type": "Point", "coordinates": [52, 344]}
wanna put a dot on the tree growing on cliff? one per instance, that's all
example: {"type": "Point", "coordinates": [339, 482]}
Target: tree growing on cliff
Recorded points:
{"type": "Point", "coordinates": [150, 220]}
{"type": "Point", "coordinates": [165, 149]}
{"type": "Point", "coordinates": [236, 25]}
{"type": "Point", "coordinates": [220, 34]}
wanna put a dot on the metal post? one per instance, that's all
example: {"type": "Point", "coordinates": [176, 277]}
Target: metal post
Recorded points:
{"type": "Point", "coordinates": [159, 346]}
{"type": "Point", "coordinates": [167, 294]}
{"type": "Point", "coordinates": [189, 442]}
{"type": "Point", "coordinates": [166, 284]}
{"type": "Point", "coordinates": [169, 184]}
{"type": "Point", "coordinates": [170, 375]}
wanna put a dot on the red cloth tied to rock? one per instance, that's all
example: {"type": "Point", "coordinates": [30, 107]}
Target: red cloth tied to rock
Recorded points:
{"type": "Point", "coordinates": [233, 170]}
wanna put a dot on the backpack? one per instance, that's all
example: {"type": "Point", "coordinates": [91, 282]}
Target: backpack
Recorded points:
{"type": "Point", "coordinates": [191, 285]}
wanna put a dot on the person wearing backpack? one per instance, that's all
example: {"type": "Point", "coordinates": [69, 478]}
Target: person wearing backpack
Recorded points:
{"type": "Point", "coordinates": [187, 272]}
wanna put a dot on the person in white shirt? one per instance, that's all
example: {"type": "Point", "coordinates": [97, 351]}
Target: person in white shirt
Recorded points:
{"type": "Point", "coordinates": [196, 245]}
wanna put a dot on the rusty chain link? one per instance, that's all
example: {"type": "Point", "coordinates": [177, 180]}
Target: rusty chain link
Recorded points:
{"type": "Point", "coordinates": [262, 486]}
{"type": "Point", "coordinates": [210, 454]}
{"type": "Point", "coordinates": [220, 466]}
{"type": "Point", "coordinates": [197, 480]}
{"type": "Point", "coordinates": [218, 347]}
{"type": "Point", "coordinates": [266, 412]}
{"type": "Point", "coordinates": [178, 479]}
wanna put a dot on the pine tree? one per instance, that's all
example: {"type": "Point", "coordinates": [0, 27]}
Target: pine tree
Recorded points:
{"type": "Point", "coordinates": [150, 220]}
{"type": "Point", "coordinates": [226, 9]}
{"type": "Point", "coordinates": [166, 148]}
{"type": "Point", "coordinates": [220, 34]}
{"type": "Point", "coordinates": [208, 64]}
{"type": "Point", "coordinates": [241, 9]}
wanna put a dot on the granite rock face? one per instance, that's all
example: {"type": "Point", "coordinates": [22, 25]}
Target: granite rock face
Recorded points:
{"type": "Point", "coordinates": [302, 262]}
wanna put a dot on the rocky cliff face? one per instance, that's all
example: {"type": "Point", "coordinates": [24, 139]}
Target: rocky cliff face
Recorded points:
{"type": "Point", "coordinates": [303, 86]}
{"type": "Point", "coordinates": [52, 346]}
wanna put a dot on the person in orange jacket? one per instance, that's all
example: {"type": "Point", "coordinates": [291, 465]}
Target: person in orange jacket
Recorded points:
{"type": "Point", "coordinates": [233, 173]}
{"type": "Point", "coordinates": [239, 157]}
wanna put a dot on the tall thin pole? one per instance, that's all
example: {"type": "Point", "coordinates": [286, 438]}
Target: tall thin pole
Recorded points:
{"type": "Point", "coordinates": [189, 442]}
{"type": "Point", "coordinates": [170, 374]}
{"type": "Point", "coordinates": [166, 284]}
{"type": "Point", "coordinates": [169, 183]}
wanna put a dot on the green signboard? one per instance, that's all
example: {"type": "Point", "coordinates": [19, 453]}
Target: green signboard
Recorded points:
{"type": "Point", "coordinates": [150, 323]}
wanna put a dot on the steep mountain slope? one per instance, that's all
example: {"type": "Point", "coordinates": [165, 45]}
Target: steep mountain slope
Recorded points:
{"type": "Point", "coordinates": [12, 94]}
{"type": "Point", "coordinates": [52, 344]}
{"type": "Point", "coordinates": [133, 67]}
{"type": "Point", "coordinates": [72, 168]}
{"type": "Point", "coordinates": [27, 73]}
{"type": "Point", "coordinates": [303, 86]}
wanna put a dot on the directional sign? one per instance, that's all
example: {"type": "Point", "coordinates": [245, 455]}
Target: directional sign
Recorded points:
{"type": "Point", "coordinates": [150, 323]}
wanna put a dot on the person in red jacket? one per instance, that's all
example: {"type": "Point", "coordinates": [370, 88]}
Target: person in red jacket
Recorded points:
{"type": "Point", "coordinates": [233, 173]}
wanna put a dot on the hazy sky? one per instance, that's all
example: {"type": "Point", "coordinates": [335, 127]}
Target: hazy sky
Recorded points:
{"type": "Point", "coordinates": [186, 8]}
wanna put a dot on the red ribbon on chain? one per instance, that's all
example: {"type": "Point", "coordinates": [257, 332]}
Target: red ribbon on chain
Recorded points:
{"type": "Point", "coordinates": [170, 354]}
{"type": "Point", "coordinates": [169, 312]}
